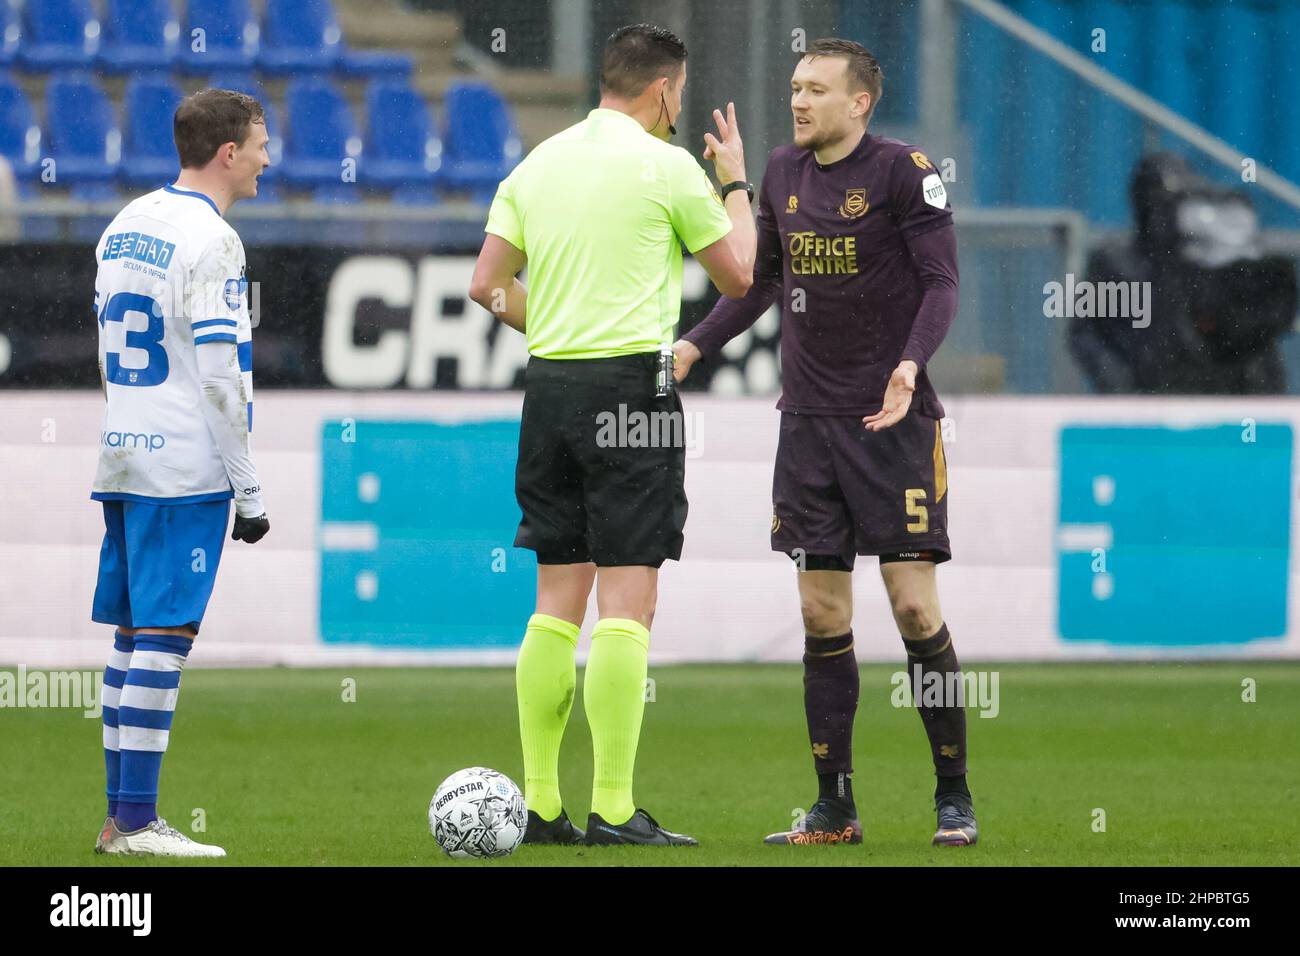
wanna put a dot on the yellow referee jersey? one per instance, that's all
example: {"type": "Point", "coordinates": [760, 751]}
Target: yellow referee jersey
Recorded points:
{"type": "Point", "coordinates": [602, 210]}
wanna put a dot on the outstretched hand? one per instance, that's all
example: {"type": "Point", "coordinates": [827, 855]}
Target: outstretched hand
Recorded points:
{"type": "Point", "coordinates": [898, 398]}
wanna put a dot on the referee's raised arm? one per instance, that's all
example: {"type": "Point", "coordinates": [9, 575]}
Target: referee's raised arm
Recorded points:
{"type": "Point", "coordinates": [599, 214]}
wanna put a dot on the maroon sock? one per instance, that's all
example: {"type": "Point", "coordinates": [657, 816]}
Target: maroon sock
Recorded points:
{"type": "Point", "coordinates": [830, 700]}
{"type": "Point", "coordinates": [945, 722]}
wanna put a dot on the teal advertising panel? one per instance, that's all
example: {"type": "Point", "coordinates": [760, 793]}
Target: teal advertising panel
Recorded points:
{"type": "Point", "coordinates": [1174, 536]}
{"type": "Point", "coordinates": [417, 525]}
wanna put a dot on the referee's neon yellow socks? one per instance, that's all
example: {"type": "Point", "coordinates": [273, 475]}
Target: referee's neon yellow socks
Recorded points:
{"type": "Point", "coordinates": [613, 693]}
{"type": "Point", "coordinates": [545, 680]}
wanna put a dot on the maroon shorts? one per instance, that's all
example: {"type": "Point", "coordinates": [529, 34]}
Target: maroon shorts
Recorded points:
{"type": "Point", "coordinates": [840, 490]}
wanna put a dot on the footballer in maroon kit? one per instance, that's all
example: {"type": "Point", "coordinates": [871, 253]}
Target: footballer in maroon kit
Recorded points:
{"type": "Point", "coordinates": [856, 236]}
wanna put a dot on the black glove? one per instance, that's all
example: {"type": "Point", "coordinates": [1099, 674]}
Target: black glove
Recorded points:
{"type": "Point", "coordinates": [250, 529]}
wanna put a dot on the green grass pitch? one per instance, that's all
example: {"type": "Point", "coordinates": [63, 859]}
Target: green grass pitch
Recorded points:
{"type": "Point", "coordinates": [287, 773]}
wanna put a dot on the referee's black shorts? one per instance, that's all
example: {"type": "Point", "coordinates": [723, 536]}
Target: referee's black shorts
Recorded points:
{"type": "Point", "coordinates": [602, 463]}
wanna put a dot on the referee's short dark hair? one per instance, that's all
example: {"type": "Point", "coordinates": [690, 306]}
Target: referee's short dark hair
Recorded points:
{"type": "Point", "coordinates": [208, 119]}
{"type": "Point", "coordinates": [636, 56]}
{"type": "Point", "coordinates": [863, 70]}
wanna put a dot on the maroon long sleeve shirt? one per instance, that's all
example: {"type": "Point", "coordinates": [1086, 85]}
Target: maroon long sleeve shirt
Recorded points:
{"type": "Point", "coordinates": [864, 255]}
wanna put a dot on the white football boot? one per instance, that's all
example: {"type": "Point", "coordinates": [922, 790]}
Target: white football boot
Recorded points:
{"type": "Point", "coordinates": [105, 832]}
{"type": "Point", "coordinates": [155, 839]}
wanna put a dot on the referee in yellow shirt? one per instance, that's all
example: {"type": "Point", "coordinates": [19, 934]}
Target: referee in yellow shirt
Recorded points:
{"type": "Point", "coordinates": [599, 213]}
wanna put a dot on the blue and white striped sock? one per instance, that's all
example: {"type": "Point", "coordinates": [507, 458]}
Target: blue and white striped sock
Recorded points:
{"type": "Point", "coordinates": [144, 719]}
{"type": "Point", "coordinates": [119, 662]}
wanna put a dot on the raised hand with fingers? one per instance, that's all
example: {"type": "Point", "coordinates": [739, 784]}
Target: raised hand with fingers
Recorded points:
{"type": "Point", "coordinates": [726, 151]}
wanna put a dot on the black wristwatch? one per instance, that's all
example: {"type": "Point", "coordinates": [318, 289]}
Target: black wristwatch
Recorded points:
{"type": "Point", "coordinates": [739, 184]}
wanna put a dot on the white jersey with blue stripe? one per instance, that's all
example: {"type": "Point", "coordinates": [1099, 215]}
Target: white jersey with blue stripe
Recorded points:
{"type": "Point", "coordinates": [171, 280]}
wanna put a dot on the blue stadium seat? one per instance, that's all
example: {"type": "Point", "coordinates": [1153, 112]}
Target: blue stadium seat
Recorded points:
{"type": "Point", "coordinates": [230, 37]}
{"type": "Point", "coordinates": [302, 36]}
{"type": "Point", "coordinates": [59, 33]}
{"type": "Point", "coordinates": [242, 81]}
{"type": "Point", "coordinates": [11, 34]}
{"type": "Point", "coordinates": [247, 83]}
{"type": "Point", "coordinates": [267, 192]}
{"type": "Point", "coordinates": [402, 145]}
{"type": "Point", "coordinates": [374, 64]}
{"type": "Point", "coordinates": [480, 143]}
{"type": "Point", "coordinates": [336, 194]}
{"type": "Point", "coordinates": [20, 136]}
{"type": "Point", "coordinates": [94, 192]}
{"type": "Point", "coordinates": [27, 190]}
{"type": "Point", "coordinates": [414, 196]}
{"type": "Point", "coordinates": [85, 142]}
{"type": "Point", "coordinates": [142, 35]}
{"type": "Point", "coordinates": [148, 150]}
{"type": "Point", "coordinates": [321, 133]}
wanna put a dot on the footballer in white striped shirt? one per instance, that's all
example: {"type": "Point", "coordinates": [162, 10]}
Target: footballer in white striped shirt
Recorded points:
{"type": "Point", "coordinates": [176, 361]}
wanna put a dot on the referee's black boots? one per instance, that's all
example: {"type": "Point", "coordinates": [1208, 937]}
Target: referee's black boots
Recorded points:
{"type": "Point", "coordinates": [641, 830]}
{"type": "Point", "coordinates": [557, 832]}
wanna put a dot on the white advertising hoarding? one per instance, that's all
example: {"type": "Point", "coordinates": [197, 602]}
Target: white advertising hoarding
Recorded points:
{"type": "Point", "coordinates": [1081, 528]}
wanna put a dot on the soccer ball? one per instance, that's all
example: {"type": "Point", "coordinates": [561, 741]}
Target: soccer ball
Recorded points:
{"type": "Point", "coordinates": [478, 813]}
